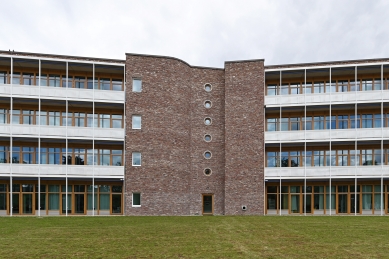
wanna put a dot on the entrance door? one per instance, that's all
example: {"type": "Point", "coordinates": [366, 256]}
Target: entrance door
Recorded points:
{"type": "Point", "coordinates": [67, 207]}
{"type": "Point", "coordinates": [352, 203]}
{"type": "Point", "coordinates": [15, 203]}
{"type": "Point", "coordinates": [207, 204]}
{"type": "Point", "coordinates": [342, 203]}
{"type": "Point", "coordinates": [27, 203]}
{"type": "Point", "coordinates": [116, 203]}
{"type": "Point", "coordinates": [79, 203]}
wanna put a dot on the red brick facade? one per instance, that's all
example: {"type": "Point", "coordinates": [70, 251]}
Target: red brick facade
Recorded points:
{"type": "Point", "coordinates": [171, 179]}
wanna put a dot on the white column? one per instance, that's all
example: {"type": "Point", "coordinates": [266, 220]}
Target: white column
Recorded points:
{"type": "Point", "coordinates": [39, 140]}
{"type": "Point", "coordinates": [305, 143]}
{"type": "Point", "coordinates": [330, 145]}
{"type": "Point", "coordinates": [10, 139]}
{"type": "Point", "coordinates": [93, 144]}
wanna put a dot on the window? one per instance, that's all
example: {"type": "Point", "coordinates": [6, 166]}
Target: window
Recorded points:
{"type": "Point", "coordinates": [79, 119]}
{"type": "Point", "coordinates": [342, 121]}
{"type": "Point", "coordinates": [284, 124]}
{"type": "Point", "coordinates": [117, 121]}
{"type": "Point", "coordinates": [367, 120]}
{"type": "Point", "coordinates": [54, 80]}
{"type": "Point", "coordinates": [319, 122]}
{"type": "Point", "coordinates": [3, 116]}
{"type": "Point", "coordinates": [104, 157]}
{"type": "Point", "coordinates": [136, 85]}
{"type": "Point", "coordinates": [117, 84]}
{"type": "Point", "coordinates": [207, 138]}
{"type": "Point", "coordinates": [367, 85]}
{"type": "Point", "coordinates": [136, 159]}
{"type": "Point", "coordinates": [207, 172]}
{"type": "Point", "coordinates": [54, 118]}
{"type": "Point", "coordinates": [136, 121]}
{"type": "Point", "coordinates": [67, 81]}
{"type": "Point", "coordinates": [272, 90]}
{"type": "Point", "coordinates": [273, 159]}
{"type": "Point", "coordinates": [16, 78]}
{"type": "Point", "coordinates": [330, 122]}
{"type": "Point", "coordinates": [318, 87]}
{"type": "Point", "coordinates": [28, 79]}
{"type": "Point", "coordinates": [295, 123]}
{"type": "Point", "coordinates": [207, 104]}
{"type": "Point", "coordinates": [3, 77]}
{"type": "Point", "coordinates": [295, 88]}
{"type": "Point", "coordinates": [208, 87]}
{"type": "Point", "coordinates": [284, 89]}
{"type": "Point", "coordinates": [16, 117]}
{"type": "Point", "coordinates": [308, 88]}
{"type": "Point", "coordinates": [271, 124]}
{"type": "Point", "coordinates": [377, 84]}
{"type": "Point", "coordinates": [117, 157]}
{"type": "Point", "coordinates": [342, 86]}
{"type": "Point", "coordinates": [28, 117]}
{"type": "Point", "coordinates": [136, 200]}
{"type": "Point", "coordinates": [207, 155]}
{"type": "Point", "coordinates": [105, 121]}
{"type": "Point", "coordinates": [105, 84]}
{"type": "Point", "coordinates": [79, 81]}
{"type": "Point", "coordinates": [207, 121]}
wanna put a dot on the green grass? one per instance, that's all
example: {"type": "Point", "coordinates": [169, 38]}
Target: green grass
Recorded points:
{"type": "Point", "coordinates": [194, 237]}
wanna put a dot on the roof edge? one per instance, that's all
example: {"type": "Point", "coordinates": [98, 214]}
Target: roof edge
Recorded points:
{"type": "Point", "coordinates": [174, 58]}
{"type": "Point", "coordinates": [60, 56]}
{"type": "Point", "coordinates": [325, 63]}
{"type": "Point", "coordinates": [245, 60]}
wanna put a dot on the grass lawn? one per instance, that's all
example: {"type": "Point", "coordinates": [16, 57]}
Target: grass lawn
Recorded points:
{"type": "Point", "coordinates": [195, 237]}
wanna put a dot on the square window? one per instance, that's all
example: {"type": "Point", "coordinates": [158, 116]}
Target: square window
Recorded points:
{"type": "Point", "coordinates": [136, 200]}
{"type": "Point", "coordinates": [137, 85]}
{"type": "Point", "coordinates": [136, 159]}
{"type": "Point", "coordinates": [136, 121]}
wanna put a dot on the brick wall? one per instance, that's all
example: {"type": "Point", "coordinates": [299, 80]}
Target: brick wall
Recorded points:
{"type": "Point", "coordinates": [171, 179]}
{"type": "Point", "coordinates": [244, 137]}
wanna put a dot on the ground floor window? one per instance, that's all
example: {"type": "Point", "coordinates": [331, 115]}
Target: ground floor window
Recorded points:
{"type": "Point", "coordinates": [59, 198]}
{"type": "Point", "coordinates": [365, 198]}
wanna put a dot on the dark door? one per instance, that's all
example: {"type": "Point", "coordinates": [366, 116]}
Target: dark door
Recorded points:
{"type": "Point", "coordinates": [207, 204]}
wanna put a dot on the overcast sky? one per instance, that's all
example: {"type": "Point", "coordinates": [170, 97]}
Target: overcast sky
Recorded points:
{"type": "Point", "coordinates": [202, 33]}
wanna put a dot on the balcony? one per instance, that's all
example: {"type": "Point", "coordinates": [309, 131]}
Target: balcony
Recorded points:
{"type": "Point", "coordinates": [326, 135]}
{"type": "Point", "coordinates": [59, 93]}
{"type": "Point", "coordinates": [326, 172]}
{"type": "Point", "coordinates": [74, 171]}
{"type": "Point", "coordinates": [325, 98]}
{"type": "Point", "coordinates": [20, 130]}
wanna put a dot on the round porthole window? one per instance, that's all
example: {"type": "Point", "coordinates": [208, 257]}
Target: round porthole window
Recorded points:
{"type": "Point", "coordinates": [207, 172]}
{"type": "Point", "coordinates": [208, 87]}
{"type": "Point", "coordinates": [207, 104]}
{"type": "Point", "coordinates": [207, 154]}
{"type": "Point", "coordinates": [207, 138]}
{"type": "Point", "coordinates": [207, 121]}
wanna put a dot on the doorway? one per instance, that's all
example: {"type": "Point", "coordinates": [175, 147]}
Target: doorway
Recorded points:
{"type": "Point", "coordinates": [208, 204]}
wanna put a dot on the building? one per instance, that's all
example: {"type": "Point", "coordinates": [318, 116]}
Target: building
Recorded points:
{"type": "Point", "coordinates": [152, 135]}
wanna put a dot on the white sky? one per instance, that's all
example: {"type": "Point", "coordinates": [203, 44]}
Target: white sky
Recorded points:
{"type": "Point", "coordinates": [201, 32]}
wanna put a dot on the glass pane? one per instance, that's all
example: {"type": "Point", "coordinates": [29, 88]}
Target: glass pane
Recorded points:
{"type": "Point", "coordinates": [272, 201]}
{"type": "Point", "coordinates": [67, 207]}
{"type": "Point", "coordinates": [136, 199]}
{"type": "Point", "coordinates": [104, 202]}
{"type": "Point", "coordinates": [3, 201]}
{"type": "Point", "coordinates": [117, 188]}
{"type": "Point", "coordinates": [295, 203]}
{"type": "Point", "coordinates": [136, 85]}
{"type": "Point", "coordinates": [90, 201]}
{"type": "Point", "coordinates": [79, 203]}
{"type": "Point", "coordinates": [54, 200]}
{"type": "Point", "coordinates": [116, 203]}
{"type": "Point", "coordinates": [27, 203]}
